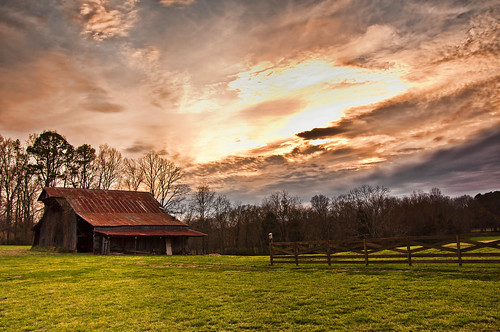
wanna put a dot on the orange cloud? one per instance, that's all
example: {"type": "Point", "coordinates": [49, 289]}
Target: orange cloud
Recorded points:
{"type": "Point", "coordinates": [169, 3]}
{"type": "Point", "coordinates": [101, 20]}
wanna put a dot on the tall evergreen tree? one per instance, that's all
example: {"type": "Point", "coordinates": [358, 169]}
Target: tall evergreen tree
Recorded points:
{"type": "Point", "coordinates": [50, 154]}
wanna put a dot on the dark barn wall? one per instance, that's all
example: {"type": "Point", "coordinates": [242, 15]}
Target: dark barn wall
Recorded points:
{"type": "Point", "coordinates": [97, 247]}
{"type": "Point", "coordinates": [58, 226]}
{"type": "Point", "coordinates": [179, 245]}
{"type": "Point", "coordinates": [85, 232]}
{"type": "Point", "coordinates": [154, 245]}
{"type": "Point", "coordinates": [143, 244]}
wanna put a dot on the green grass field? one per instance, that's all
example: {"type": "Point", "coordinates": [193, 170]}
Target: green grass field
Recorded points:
{"type": "Point", "coordinates": [58, 291]}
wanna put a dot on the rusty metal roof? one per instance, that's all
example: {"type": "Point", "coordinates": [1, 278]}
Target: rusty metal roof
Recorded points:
{"type": "Point", "coordinates": [150, 232]}
{"type": "Point", "coordinates": [107, 208]}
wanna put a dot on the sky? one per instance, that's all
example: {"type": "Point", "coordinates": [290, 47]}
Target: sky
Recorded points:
{"type": "Point", "coordinates": [255, 97]}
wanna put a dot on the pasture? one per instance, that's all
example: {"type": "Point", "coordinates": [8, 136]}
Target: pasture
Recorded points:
{"type": "Point", "coordinates": [62, 291]}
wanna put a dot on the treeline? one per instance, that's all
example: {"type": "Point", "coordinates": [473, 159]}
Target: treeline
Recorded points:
{"type": "Point", "coordinates": [48, 160]}
{"type": "Point", "coordinates": [365, 211]}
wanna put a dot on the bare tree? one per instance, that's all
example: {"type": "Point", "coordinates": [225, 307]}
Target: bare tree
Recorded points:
{"type": "Point", "coordinates": [132, 175]}
{"type": "Point", "coordinates": [150, 166]}
{"type": "Point", "coordinates": [162, 178]}
{"type": "Point", "coordinates": [202, 203]}
{"type": "Point", "coordinates": [108, 166]}
{"type": "Point", "coordinates": [10, 152]}
{"type": "Point", "coordinates": [284, 207]}
{"type": "Point", "coordinates": [202, 206]}
{"type": "Point", "coordinates": [320, 207]}
{"type": "Point", "coordinates": [222, 215]}
{"type": "Point", "coordinates": [18, 192]}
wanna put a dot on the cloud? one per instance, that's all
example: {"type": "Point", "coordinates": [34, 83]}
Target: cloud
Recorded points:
{"type": "Point", "coordinates": [101, 105]}
{"type": "Point", "coordinates": [140, 148]}
{"type": "Point", "coordinates": [102, 20]}
{"type": "Point", "coordinates": [307, 96]}
{"type": "Point", "coordinates": [176, 3]}
{"type": "Point", "coordinates": [465, 169]}
{"type": "Point", "coordinates": [411, 112]}
{"type": "Point", "coordinates": [272, 109]}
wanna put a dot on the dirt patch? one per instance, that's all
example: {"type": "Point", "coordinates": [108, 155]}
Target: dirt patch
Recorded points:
{"type": "Point", "coordinates": [11, 277]}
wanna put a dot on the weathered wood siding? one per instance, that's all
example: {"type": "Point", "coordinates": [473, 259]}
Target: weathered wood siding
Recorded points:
{"type": "Point", "coordinates": [179, 245]}
{"type": "Point", "coordinates": [58, 226]}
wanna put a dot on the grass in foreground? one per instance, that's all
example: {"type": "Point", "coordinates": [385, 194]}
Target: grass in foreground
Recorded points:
{"type": "Point", "coordinates": [51, 291]}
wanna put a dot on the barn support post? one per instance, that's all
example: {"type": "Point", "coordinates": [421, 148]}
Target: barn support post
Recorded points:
{"type": "Point", "coordinates": [168, 246]}
{"type": "Point", "coordinates": [108, 245]}
{"type": "Point", "coordinates": [135, 245]}
{"type": "Point", "coordinates": [103, 244]}
{"type": "Point", "coordinates": [95, 243]}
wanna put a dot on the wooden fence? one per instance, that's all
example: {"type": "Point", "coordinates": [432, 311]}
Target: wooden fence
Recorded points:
{"type": "Point", "coordinates": [406, 250]}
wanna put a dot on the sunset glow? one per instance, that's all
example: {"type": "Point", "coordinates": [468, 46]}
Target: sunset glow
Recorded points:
{"type": "Point", "coordinates": [251, 97]}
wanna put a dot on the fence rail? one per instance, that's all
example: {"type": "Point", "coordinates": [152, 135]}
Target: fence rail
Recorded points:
{"type": "Point", "coordinates": [397, 250]}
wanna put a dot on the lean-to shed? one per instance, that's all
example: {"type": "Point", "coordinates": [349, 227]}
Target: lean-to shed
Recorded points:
{"type": "Point", "coordinates": [105, 221]}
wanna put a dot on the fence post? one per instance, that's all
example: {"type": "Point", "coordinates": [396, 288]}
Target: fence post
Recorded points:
{"type": "Point", "coordinates": [366, 251]}
{"type": "Point", "coordinates": [296, 252]}
{"type": "Point", "coordinates": [271, 247]}
{"type": "Point", "coordinates": [459, 253]}
{"type": "Point", "coordinates": [328, 253]}
{"type": "Point", "coordinates": [408, 250]}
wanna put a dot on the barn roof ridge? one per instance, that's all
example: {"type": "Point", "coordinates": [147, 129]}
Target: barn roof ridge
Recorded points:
{"type": "Point", "coordinates": [53, 190]}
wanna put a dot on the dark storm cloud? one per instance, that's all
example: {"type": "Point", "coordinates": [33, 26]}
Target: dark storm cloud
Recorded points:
{"type": "Point", "coordinates": [316, 133]}
{"type": "Point", "coordinates": [457, 171]}
{"type": "Point", "coordinates": [469, 168]}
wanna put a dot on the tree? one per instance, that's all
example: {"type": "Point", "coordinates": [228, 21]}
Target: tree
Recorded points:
{"type": "Point", "coordinates": [132, 174]}
{"type": "Point", "coordinates": [222, 214]}
{"type": "Point", "coordinates": [202, 207]}
{"type": "Point", "coordinates": [344, 219]}
{"type": "Point", "coordinates": [18, 193]}
{"type": "Point", "coordinates": [50, 153]}
{"type": "Point", "coordinates": [108, 166]}
{"type": "Point", "coordinates": [371, 208]}
{"type": "Point", "coordinates": [162, 178]}
{"type": "Point", "coordinates": [486, 211]}
{"type": "Point", "coordinates": [9, 181]}
{"type": "Point", "coordinates": [82, 167]}
{"type": "Point", "coordinates": [320, 205]}
{"type": "Point", "coordinates": [284, 207]}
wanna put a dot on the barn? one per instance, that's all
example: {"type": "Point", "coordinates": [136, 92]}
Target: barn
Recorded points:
{"type": "Point", "coordinates": [109, 221]}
